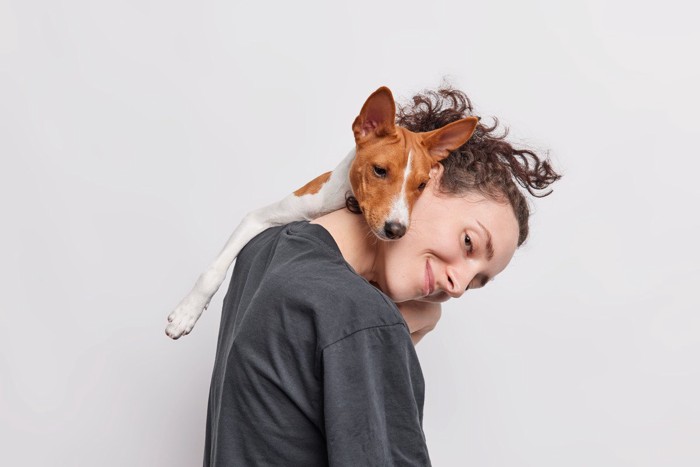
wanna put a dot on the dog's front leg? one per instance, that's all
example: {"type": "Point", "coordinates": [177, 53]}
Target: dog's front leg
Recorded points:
{"type": "Point", "coordinates": [183, 318]}
{"type": "Point", "coordinates": [330, 196]}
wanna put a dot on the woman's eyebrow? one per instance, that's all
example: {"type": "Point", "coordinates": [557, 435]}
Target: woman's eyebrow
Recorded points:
{"type": "Point", "coordinates": [489, 243]}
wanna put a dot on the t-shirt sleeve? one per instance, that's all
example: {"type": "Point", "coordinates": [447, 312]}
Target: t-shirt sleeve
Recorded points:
{"type": "Point", "coordinates": [373, 399]}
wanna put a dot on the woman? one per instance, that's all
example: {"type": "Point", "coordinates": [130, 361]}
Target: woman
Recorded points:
{"type": "Point", "coordinates": [315, 364]}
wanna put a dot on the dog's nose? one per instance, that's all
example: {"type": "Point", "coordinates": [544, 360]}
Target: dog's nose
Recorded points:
{"type": "Point", "coordinates": [394, 230]}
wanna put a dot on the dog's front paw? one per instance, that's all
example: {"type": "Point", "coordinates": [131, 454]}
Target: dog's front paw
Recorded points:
{"type": "Point", "coordinates": [183, 319]}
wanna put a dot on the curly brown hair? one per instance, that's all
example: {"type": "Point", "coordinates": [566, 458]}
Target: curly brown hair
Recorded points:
{"type": "Point", "coordinates": [487, 164]}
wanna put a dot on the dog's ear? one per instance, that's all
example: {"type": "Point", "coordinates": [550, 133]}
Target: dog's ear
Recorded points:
{"type": "Point", "coordinates": [444, 140]}
{"type": "Point", "coordinates": [377, 117]}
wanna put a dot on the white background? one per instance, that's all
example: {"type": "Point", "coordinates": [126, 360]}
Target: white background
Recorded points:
{"type": "Point", "coordinates": [135, 134]}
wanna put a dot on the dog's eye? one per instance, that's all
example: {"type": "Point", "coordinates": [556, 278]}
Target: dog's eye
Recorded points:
{"type": "Point", "coordinates": [421, 186]}
{"type": "Point", "coordinates": [379, 171]}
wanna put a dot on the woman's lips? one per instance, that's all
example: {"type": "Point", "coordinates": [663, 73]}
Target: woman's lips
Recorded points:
{"type": "Point", "coordinates": [429, 281]}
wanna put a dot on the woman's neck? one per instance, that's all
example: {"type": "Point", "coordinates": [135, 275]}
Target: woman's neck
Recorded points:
{"type": "Point", "coordinates": [356, 242]}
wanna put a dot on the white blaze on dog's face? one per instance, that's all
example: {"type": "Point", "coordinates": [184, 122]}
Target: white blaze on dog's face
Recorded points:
{"type": "Point", "coordinates": [392, 164]}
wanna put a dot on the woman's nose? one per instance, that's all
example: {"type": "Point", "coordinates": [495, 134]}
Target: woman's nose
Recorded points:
{"type": "Point", "coordinates": [457, 282]}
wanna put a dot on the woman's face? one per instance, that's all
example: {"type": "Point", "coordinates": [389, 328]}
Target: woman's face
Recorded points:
{"type": "Point", "coordinates": [453, 244]}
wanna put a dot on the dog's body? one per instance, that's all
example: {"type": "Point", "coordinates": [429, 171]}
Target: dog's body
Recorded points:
{"type": "Point", "coordinates": [386, 171]}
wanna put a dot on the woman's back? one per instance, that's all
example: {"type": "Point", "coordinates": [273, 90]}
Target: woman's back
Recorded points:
{"type": "Point", "coordinates": [313, 363]}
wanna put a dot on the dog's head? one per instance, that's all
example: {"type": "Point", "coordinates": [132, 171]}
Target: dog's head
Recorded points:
{"type": "Point", "coordinates": [392, 164]}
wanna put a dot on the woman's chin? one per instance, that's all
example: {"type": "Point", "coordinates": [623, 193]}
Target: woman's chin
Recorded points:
{"type": "Point", "coordinates": [439, 297]}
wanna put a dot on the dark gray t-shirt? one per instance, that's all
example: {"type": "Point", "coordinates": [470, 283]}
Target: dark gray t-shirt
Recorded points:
{"type": "Point", "coordinates": [314, 365]}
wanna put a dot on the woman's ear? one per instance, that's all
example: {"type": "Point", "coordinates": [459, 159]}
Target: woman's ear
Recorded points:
{"type": "Point", "coordinates": [436, 171]}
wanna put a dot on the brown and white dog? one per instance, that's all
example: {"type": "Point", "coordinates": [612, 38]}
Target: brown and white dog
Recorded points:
{"type": "Point", "coordinates": [386, 171]}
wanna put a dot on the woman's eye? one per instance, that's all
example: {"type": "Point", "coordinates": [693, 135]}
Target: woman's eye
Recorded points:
{"type": "Point", "coordinates": [468, 243]}
{"type": "Point", "coordinates": [421, 186]}
{"type": "Point", "coordinates": [379, 171]}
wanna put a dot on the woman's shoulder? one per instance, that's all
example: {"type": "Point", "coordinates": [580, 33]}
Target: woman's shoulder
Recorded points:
{"type": "Point", "coordinates": [307, 274]}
